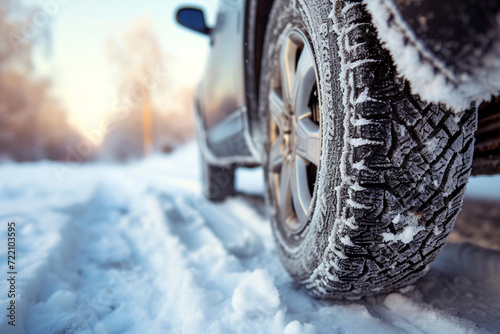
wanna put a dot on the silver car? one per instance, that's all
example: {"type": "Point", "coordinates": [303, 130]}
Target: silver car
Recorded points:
{"type": "Point", "coordinates": [363, 115]}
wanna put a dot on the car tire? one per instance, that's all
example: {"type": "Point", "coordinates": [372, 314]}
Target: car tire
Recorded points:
{"type": "Point", "coordinates": [391, 172]}
{"type": "Point", "coordinates": [217, 181]}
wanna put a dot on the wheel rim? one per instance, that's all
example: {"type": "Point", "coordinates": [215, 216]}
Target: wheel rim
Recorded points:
{"type": "Point", "coordinates": [295, 126]}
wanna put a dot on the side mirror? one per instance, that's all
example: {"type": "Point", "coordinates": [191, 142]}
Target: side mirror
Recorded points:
{"type": "Point", "coordinates": [192, 18]}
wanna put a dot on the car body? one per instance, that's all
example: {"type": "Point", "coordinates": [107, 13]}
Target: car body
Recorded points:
{"type": "Point", "coordinates": [222, 99]}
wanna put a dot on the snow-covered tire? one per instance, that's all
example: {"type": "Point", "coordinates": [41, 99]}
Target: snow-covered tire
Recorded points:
{"type": "Point", "coordinates": [217, 182]}
{"type": "Point", "coordinates": [392, 170]}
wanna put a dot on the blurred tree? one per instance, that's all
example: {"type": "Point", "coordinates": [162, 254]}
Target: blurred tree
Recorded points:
{"type": "Point", "coordinates": [33, 125]}
{"type": "Point", "coordinates": [138, 123]}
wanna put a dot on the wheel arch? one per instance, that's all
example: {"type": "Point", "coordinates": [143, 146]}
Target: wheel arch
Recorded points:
{"type": "Point", "coordinates": [256, 19]}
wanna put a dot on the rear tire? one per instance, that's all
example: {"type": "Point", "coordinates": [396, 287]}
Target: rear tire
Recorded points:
{"type": "Point", "coordinates": [392, 170]}
{"type": "Point", "coordinates": [217, 182]}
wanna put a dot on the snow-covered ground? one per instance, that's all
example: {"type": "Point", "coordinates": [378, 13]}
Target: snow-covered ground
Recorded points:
{"type": "Point", "coordinates": [137, 249]}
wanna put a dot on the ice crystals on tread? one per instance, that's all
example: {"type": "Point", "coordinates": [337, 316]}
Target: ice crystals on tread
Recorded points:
{"type": "Point", "coordinates": [356, 142]}
{"type": "Point", "coordinates": [346, 240]}
{"type": "Point", "coordinates": [408, 233]}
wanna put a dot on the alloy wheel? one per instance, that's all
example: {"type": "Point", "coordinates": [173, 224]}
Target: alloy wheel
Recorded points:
{"type": "Point", "coordinates": [295, 125]}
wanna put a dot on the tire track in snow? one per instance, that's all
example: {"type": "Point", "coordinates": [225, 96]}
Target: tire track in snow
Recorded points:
{"type": "Point", "coordinates": [210, 275]}
{"type": "Point", "coordinates": [197, 222]}
{"type": "Point", "coordinates": [42, 211]}
{"type": "Point", "coordinates": [82, 281]}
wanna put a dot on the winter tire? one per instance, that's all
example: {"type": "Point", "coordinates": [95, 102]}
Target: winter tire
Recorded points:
{"type": "Point", "coordinates": [364, 179]}
{"type": "Point", "coordinates": [218, 182]}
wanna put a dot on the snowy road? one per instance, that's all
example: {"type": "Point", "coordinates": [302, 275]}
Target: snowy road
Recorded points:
{"type": "Point", "coordinates": [136, 249]}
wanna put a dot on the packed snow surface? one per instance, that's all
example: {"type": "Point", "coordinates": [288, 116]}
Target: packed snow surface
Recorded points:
{"type": "Point", "coordinates": [137, 249]}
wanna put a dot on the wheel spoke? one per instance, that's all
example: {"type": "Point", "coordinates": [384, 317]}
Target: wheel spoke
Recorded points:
{"type": "Point", "coordinates": [287, 68]}
{"type": "Point", "coordinates": [308, 140]}
{"type": "Point", "coordinates": [276, 155]}
{"type": "Point", "coordinates": [304, 81]}
{"type": "Point", "coordinates": [300, 190]}
{"type": "Point", "coordinates": [277, 108]}
{"type": "Point", "coordinates": [285, 204]}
